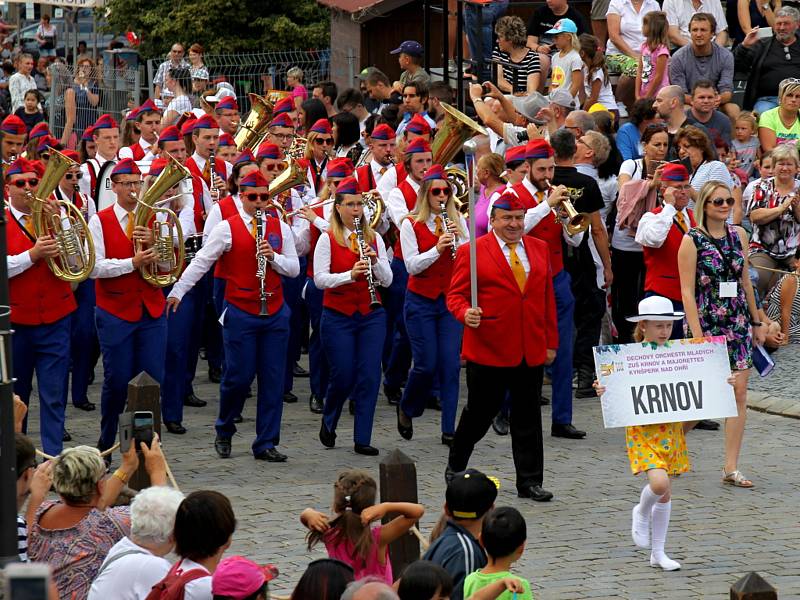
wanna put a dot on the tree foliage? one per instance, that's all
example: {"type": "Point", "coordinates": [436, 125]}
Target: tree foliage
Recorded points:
{"type": "Point", "coordinates": [222, 26]}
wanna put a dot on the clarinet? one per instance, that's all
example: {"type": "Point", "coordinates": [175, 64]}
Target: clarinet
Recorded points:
{"type": "Point", "coordinates": [373, 297]}
{"type": "Point", "coordinates": [446, 222]}
{"type": "Point", "coordinates": [212, 160]}
{"type": "Point", "coordinates": [261, 264]}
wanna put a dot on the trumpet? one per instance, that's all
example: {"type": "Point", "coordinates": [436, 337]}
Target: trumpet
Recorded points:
{"type": "Point", "coordinates": [575, 222]}
{"type": "Point", "coordinates": [373, 296]}
{"type": "Point", "coordinates": [261, 265]}
{"type": "Point", "coordinates": [446, 222]}
{"type": "Point", "coordinates": [76, 254]}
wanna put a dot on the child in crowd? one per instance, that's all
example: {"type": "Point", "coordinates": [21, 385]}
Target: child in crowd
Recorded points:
{"type": "Point", "coordinates": [503, 537]}
{"type": "Point", "coordinates": [745, 142]}
{"type": "Point", "coordinates": [596, 84]}
{"type": "Point", "coordinates": [566, 65]}
{"type": "Point", "coordinates": [237, 578]}
{"type": "Point", "coordinates": [29, 112]}
{"type": "Point", "coordinates": [652, 73]}
{"type": "Point", "coordinates": [348, 536]}
{"type": "Point", "coordinates": [424, 580]}
{"type": "Point", "coordinates": [469, 496]}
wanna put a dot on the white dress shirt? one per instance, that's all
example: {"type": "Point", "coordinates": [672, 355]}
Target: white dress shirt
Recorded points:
{"type": "Point", "coordinates": [201, 165]}
{"type": "Point", "coordinates": [376, 167]}
{"type": "Point", "coordinates": [88, 202]}
{"type": "Point", "coordinates": [85, 182]}
{"type": "Point", "coordinates": [416, 261]}
{"type": "Point", "coordinates": [533, 216]}
{"type": "Point", "coordinates": [679, 13]}
{"type": "Point", "coordinates": [214, 216]}
{"type": "Point", "coordinates": [220, 240]}
{"type": "Point", "coordinates": [302, 228]}
{"type": "Point", "coordinates": [323, 278]}
{"type": "Point", "coordinates": [520, 250]}
{"type": "Point", "coordinates": [126, 152]}
{"type": "Point", "coordinates": [653, 228]}
{"type": "Point", "coordinates": [18, 263]}
{"type": "Point", "coordinates": [387, 182]}
{"type": "Point", "coordinates": [109, 267]}
{"type": "Point", "coordinates": [396, 205]}
{"type": "Point", "coordinates": [312, 188]}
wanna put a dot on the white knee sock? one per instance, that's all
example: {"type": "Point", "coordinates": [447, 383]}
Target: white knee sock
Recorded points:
{"type": "Point", "coordinates": [647, 500]}
{"type": "Point", "coordinates": [640, 526]}
{"type": "Point", "coordinates": [660, 524]}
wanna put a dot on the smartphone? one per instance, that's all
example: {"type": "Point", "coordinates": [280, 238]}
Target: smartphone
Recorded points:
{"type": "Point", "coordinates": [764, 32]}
{"type": "Point", "coordinates": [125, 431]}
{"type": "Point", "coordinates": [653, 166]}
{"type": "Point", "coordinates": [143, 427]}
{"type": "Point", "coordinates": [26, 581]}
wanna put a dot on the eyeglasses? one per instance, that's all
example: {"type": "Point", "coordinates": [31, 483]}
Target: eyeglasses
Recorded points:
{"type": "Point", "coordinates": [720, 201]}
{"type": "Point", "coordinates": [323, 141]}
{"type": "Point", "coordinates": [656, 126]}
{"type": "Point", "coordinates": [283, 136]}
{"type": "Point", "coordinates": [129, 183]}
{"type": "Point", "coordinates": [255, 196]}
{"type": "Point", "coordinates": [71, 176]}
{"type": "Point", "coordinates": [440, 191]}
{"type": "Point", "coordinates": [271, 168]}
{"type": "Point", "coordinates": [21, 183]}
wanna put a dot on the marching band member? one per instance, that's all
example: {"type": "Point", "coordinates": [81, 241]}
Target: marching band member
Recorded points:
{"type": "Point", "coordinates": [417, 128]}
{"type": "Point", "coordinates": [429, 238]}
{"type": "Point", "coordinates": [148, 121]}
{"type": "Point", "coordinates": [381, 145]}
{"type": "Point", "coordinates": [87, 148]}
{"type": "Point", "coordinates": [227, 114]}
{"type": "Point", "coordinates": [41, 308]}
{"type": "Point", "coordinates": [226, 148]}
{"type": "Point", "coordinates": [318, 151]}
{"type": "Point", "coordinates": [186, 129]}
{"type": "Point", "coordinates": [210, 178]}
{"type": "Point", "coordinates": [281, 131]}
{"type": "Point", "coordinates": [96, 180]}
{"type": "Point", "coordinates": [257, 341]}
{"type": "Point", "coordinates": [14, 132]}
{"type": "Point", "coordinates": [315, 222]}
{"type": "Point", "coordinates": [130, 312]}
{"type": "Point", "coordinates": [507, 339]}
{"type": "Point", "coordinates": [171, 142]}
{"type": "Point", "coordinates": [37, 132]}
{"type": "Point", "coordinates": [540, 223]}
{"type": "Point", "coordinates": [352, 330]}
{"type": "Point", "coordinates": [285, 105]}
{"type": "Point", "coordinates": [401, 201]}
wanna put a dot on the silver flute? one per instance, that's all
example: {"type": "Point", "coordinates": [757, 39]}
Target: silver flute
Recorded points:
{"type": "Point", "coordinates": [446, 222]}
{"type": "Point", "coordinates": [373, 296]}
{"type": "Point", "coordinates": [261, 264]}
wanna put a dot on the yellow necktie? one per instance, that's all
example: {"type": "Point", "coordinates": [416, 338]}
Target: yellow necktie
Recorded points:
{"type": "Point", "coordinates": [539, 196]}
{"type": "Point", "coordinates": [439, 230]}
{"type": "Point", "coordinates": [681, 221]}
{"type": "Point", "coordinates": [254, 229]}
{"type": "Point", "coordinates": [516, 266]}
{"type": "Point", "coordinates": [129, 227]}
{"type": "Point", "coordinates": [207, 172]}
{"type": "Point", "coordinates": [29, 225]}
{"type": "Point", "coordinates": [383, 170]}
{"type": "Point", "coordinates": [354, 242]}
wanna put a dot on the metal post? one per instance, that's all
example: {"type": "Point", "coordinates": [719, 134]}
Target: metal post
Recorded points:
{"type": "Point", "coordinates": [469, 149]}
{"type": "Point", "coordinates": [52, 115]}
{"type": "Point", "coordinates": [459, 54]}
{"type": "Point", "coordinates": [8, 453]}
{"type": "Point", "coordinates": [94, 34]}
{"type": "Point", "coordinates": [351, 68]}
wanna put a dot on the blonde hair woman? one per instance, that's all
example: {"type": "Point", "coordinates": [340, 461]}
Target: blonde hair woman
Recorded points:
{"type": "Point", "coordinates": [781, 125]}
{"type": "Point", "coordinates": [294, 81]}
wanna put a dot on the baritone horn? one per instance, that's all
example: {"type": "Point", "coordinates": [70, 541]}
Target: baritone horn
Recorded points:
{"type": "Point", "coordinates": [292, 176]}
{"type": "Point", "coordinates": [165, 242]}
{"type": "Point", "coordinates": [254, 128]}
{"type": "Point", "coordinates": [76, 254]}
{"type": "Point", "coordinates": [373, 206]}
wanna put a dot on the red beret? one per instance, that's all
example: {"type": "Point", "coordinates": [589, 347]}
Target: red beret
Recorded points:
{"type": "Point", "coordinates": [536, 149]}
{"type": "Point", "coordinates": [284, 105]}
{"type": "Point", "coordinates": [227, 103]}
{"type": "Point", "coordinates": [509, 201]}
{"type": "Point", "coordinates": [321, 126]}
{"type": "Point", "coordinates": [105, 122]}
{"type": "Point", "coordinates": [281, 120]}
{"type": "Point", "coordinates": [340, 167]}
{"type": "Point", "coordinates": [269, 150]}
{"type": "Point", "coordinates": [206, 122]}
{"type": "Point", "coordinates": [127, 166]}
{"type": "Point", "coordinates": [13, 125]}
{"type": "Point", "coordinates": [20, 166]}
{"type": "Point", "coordinates": [39, 130]}
{"type": "Point", "coordinates": [674, 172]}
{"type": "Point", "coordinates": [418, 145]}
{"type": "Point", "coordinates": [514, 154]}
{"type": "Point", "coordinates": [157, 166]}
{"type": "Point", "coordinates": [225, 139]}
{"type": "Point", "coordinates": [418, 125]}
{"type": "Point", "coordinates": [254, 179]}
{"type": "Point", "coordinates": [72, 155]}
{"type": "Point", "coordinates": [383, 132]}
{"type": "Point", "coordinates": [348, 185]}
{"type": "Point", "coordinates": [169, 134]}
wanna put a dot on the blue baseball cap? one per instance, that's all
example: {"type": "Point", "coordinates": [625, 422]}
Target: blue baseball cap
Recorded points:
{"type": "Point", "coordinates": [411, 47]}
{"type": "Point", "coordinates": [563, 26]}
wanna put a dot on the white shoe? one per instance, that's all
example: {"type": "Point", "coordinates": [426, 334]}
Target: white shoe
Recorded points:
{"type": "Point", "coordinates": [665, 562]}
{"type": "Point", "coordinates": [640, 529]}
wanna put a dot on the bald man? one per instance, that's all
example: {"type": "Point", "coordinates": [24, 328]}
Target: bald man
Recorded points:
{"type": "Point", "coordinates": [669, 106]}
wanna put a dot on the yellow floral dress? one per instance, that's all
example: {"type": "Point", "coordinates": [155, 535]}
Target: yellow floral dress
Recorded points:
{"type": "Point", "coordinates": [660, 446]}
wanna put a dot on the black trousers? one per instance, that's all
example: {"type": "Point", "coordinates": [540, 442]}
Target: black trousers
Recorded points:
{"type": "Point", "coordinates": [626, 291]}
{"type": "Point", "coordinates": [590, 305]}
{"type": "Point", "coordinates": [486, 390]}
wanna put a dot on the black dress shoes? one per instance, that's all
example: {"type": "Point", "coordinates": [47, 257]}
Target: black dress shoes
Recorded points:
{"type": "Point", "coordinates": [567, 431]}
{"type": "Point", "coordinates": [194, 401]}
{"type": "Point", "coordinates": [289, 398]}
{"type": "Point", "coordinates": [175, 427]}
{"type": "Point", "coordinates": [447, 439]}
{"type": "Point", "coordinates": [299, 371]}
{"type": "Point", "coordinates": [223, 447]}
{"type": "Point", "coordinates": [393, 395]}
{"type": "Point", "coordinates": [535, 493]}
{"type": "Point", "coordinates": [707, 425]}
{"type": "Point", "coordinates": [270, 455]}
{"type": "Point", "coordinates": [328, 438]}
{"type": "Point", "coordinates": [214, 374]}
{"type": "Point", "coordinates": [366, 450]}
{"type": "Point", "coordinates": [87, 406]}
{"type": "Point", "coordinates": [66, 437]}
{"type": "Point", "coordinates": [500, 424]}
{"type": "Point", "coordinates": [405, 426]}
{"type": "Point", "coordinates": [315, 404]}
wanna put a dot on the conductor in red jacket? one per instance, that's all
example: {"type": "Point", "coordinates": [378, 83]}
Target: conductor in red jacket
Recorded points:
{"type": "Point", "coordinates": [508, 339]}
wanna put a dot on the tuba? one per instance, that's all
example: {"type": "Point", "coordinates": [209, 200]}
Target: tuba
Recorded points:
{"type": "Point", "coordinates": [456, 129]}
{"type": "Point", "coordinates": [254, 128]}
{"type": "Point", "coordinates": [374, 205]}
{"type": "Point", "coordinates": [291, 177]}
{"type": "Point", "coordinates": [146, 215]}
{"type": "Point", "coordinates": [75, 260]}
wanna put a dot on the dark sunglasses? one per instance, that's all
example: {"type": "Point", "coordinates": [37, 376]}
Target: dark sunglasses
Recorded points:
{"type": "Point", "coordinates": [657, 126]}
{"type": "Point", "coordinates": [720, 201]}
{"type": "Point", "coordinates": [21, 183]}
{"type": "Point", "coordinates": [71, 176]}
{"type": "Point", "coordinates": [439, 191]}
{"type": "Point", "coordinates": [272, 168]}
{"type": "Point", "coordinates": [254, 196]}
{"type": "Point", "coordinates": [325, 141]}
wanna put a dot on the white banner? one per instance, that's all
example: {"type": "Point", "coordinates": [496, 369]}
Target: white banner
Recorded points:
{"type": "Point", "coordinates": [64, 3]}
{"type": "Point", "coordinates": [683, 380]}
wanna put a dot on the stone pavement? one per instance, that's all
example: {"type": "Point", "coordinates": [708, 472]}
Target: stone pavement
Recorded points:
{"type": "Point", "coordinates": [578, 546]}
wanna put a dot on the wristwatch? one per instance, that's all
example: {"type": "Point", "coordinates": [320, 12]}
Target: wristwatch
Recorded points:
{"type": "Point", "coordinates": [766, 6]}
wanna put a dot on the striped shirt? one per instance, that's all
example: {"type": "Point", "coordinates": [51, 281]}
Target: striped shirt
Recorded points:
{"type": "Point", "coordinates": [22, 539]}
{"type": "Point", "coordinates": [517, 75]}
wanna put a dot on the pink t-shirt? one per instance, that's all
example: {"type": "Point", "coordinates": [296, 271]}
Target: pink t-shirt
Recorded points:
{"type": "Point", "coordinates": [300, 91]}
{"type": "Point", "coordinates": [649, 59]}
{"type": "Point", "coordinates": [344, 551]}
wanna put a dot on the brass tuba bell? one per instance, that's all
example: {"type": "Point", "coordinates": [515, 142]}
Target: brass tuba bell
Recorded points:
{"type": "Point", "coordinates": [254, 128]}
{"type": "Point", "coordinates": [76, 255]}
{"type": "Point", "coordinates": [373, 206]}
{"type": "Point", "coordinates": [292, 176]}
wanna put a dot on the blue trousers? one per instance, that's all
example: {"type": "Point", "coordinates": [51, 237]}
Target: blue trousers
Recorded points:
{"type": "Point", "coordinates": [45, 350]}
{"type": "Point", "coordinates": [353, 347]}
{"type": "Point", "coordinates": [182, 340]}
{"type": "Point", "coordinates": [397, 358]}
{"type": "Point", "coordinates": [479, 27]}
{"type": "Point", "coordinates": [128, 349]}
{"type": "Point", "coordinates": [561, 369]}
{"type": "Point", "coordinates": [435, 337]}
{"type": "Point", "coordinates": [317, 361]}
{"type": "Point", "coordinates": [256, 347]}
{"type": "Point", "coordinates": [217, 356]}
{"type": "Point", "coordinates": [84, 342]}
{"type": "Point", "coordinates": [292, 289]}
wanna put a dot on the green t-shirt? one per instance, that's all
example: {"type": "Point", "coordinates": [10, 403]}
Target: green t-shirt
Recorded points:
{"type": "Point", "coordinates": [478, 580]}
{"type": "Point", "coordinates": [772, 120]}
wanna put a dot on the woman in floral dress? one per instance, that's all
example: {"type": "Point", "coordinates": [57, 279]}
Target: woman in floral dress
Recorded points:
{"type": "Point", "coordinates": [720, 302]}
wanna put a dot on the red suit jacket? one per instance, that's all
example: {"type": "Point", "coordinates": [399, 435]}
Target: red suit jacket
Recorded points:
{"type": "Point", "coordinates": [515, 326]}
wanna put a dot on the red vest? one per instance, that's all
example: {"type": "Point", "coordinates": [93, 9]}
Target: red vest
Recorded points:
{"type": "Point", "coordinates": [400, 169]}
{"type": "Point", "coordinates": [547, 229]}
{"type": "Point", "coordinates": [239, 267]}
{"type": "Point", "coordinates": [197, 188]}
{"type": "Point", "coordinates": [410, 197]}
{"type": "Point", "coordinates": [36, 295]}
{"type": "Point", "coordinates": [227, 208]}
{"type": "Point", "coordinates": [366, 180]}
{"type": "Point", "coordinates": [137, 151]}
{"type": "Point", "coordinates": [314, 234]}
{"type": "Point", "coordinates": [661, 264]}
{"type": "Point", "coordinates": [435, 280]}
{"type": "Point", "coordinates": [124, 296]}
{"type": "Point", "coordinates": [349, 298]}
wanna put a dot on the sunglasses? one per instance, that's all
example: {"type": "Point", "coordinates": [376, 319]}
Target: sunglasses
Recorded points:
{"type": "Point", "coordinates": [21, 183]}
{"type": "Point", "coordinates": [325, 141]}
{"type": "Point", "coordinates": [71, 176]}
{"type": "Point", "coordinates": [440, 191]}
{"type": "Point", "coordinates": [272, 168]}
{"type": "Point", "coordinates": [255, 196]}
{"type": "Point", "coordinates": [720, 201]}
